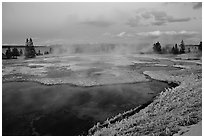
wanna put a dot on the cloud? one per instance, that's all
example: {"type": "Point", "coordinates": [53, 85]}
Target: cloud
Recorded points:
{"type": "Point", "coordinates": [158, 23]}
{"type": "Point", "coordinates": [171, 19]}
{"type": "Point", "coordinates": [152, 35]}
{"type": "Point", "coordinates": [135, 21]}
{"type": "Point", "coordinates": [125, 35]}
{"type": "Point", "coordinates": [156, 18]}
{"type": "Point", "coordinates": [97, 23]}
{"type": "Point", "coordinates": [54, 41]}
{"type": "Point", "coordinates": [162, 18]}
{"type": "Point", "coordinates": [107, 34]}
{"type": "Point", "coordinates": [197, 5]}
{"type": "Point", "coordinates": [159, 33]}
{"type": "Point", "coordinates": [121, 34]}
{"type": "Point", "coordinates": [169, 36]}
{"type": "Point", "coordinates": [169, 3]}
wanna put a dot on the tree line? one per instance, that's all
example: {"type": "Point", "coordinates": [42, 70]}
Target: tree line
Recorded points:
{"type": "Point", "coordinates": [176, 49]}
{"type": "Point", "coordinates": [12, 53]}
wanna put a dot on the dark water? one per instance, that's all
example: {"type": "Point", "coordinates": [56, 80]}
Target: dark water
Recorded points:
{"type": "Point", "coordinates": [30, 108]}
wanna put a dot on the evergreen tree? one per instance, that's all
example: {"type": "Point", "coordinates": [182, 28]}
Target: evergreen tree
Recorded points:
{"type": "Point", "coordinates": [182, 47]}
{"type": "Point", "coordinates": [175, 49]}
{"type": "Point", "coordinates": [172, 50]}
{"type": "Point", "coordinates": [157, 47]}
{"type": "Point", "coordinates": [21, 52]}
{"type": "Point", "coordinates": [39, 52]}
{"type": "Point", "coordinates": [200, 46]}
{"type": "Point", "coordinates": [8, 53]}
{"type": "Point", "coordinates": [30, 50]}
{"type": "Point", "coordinates": [15, 52]}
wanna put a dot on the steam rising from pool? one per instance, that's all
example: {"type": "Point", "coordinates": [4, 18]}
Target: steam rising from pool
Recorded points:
{"type": "Point", "coordinates": [68, 110]}
{"type": "Point", "coordinates": [101, 48]}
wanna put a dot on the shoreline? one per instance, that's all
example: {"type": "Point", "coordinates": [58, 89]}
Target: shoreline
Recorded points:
{"type": "Point", "coordinates": [133, 126]}
{"type": "Point", "coordinates": [130, 112]}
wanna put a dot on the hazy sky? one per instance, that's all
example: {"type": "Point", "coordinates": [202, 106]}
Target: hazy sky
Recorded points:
{"type": "Point", "coordinates": [64, 23]}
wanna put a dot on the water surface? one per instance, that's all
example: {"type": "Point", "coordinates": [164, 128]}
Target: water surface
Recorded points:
{"type": "Point", "coordinates": [30, 108]}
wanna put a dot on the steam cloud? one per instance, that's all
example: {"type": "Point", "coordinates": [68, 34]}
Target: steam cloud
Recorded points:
{"type": "Point", "coordinates": [101, 48]}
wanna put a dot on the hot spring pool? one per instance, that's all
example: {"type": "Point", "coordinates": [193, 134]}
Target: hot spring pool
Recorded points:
{"type": "Point", "coordinates": [30, 108]}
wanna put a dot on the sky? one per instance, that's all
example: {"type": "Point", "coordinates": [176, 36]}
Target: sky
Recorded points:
{"type": "Point", "coordinates": [50, 23]}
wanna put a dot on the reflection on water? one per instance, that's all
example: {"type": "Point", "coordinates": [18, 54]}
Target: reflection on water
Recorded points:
{"type": "Point", "coordinates": [65, 109]}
